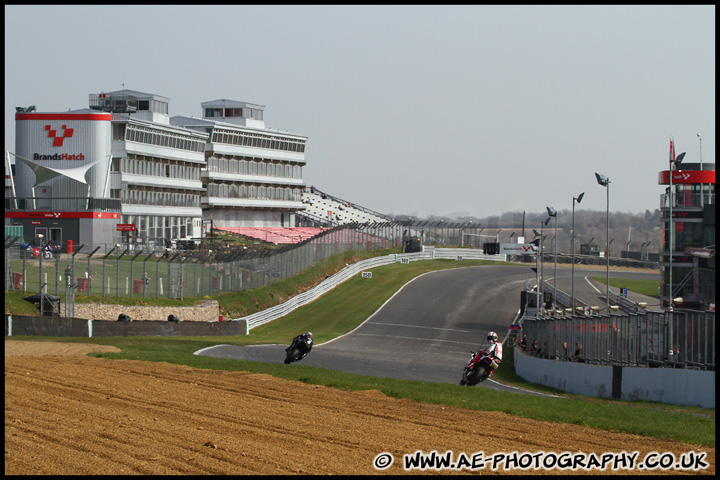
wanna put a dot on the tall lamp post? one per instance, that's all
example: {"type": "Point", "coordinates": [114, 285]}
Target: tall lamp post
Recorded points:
{"type": "Point", "coordinates": [676, 162]}
{"type": "Point", "coordinates": [577, 199]}
{"type": "Point", "coordinates": [605, 182]}
{"type": "Point", "coordinates": [553, 213]}
{"type": "Point", "coordinates": [539, 258]}
{"type": "Point", "coordinates": [702, 186]}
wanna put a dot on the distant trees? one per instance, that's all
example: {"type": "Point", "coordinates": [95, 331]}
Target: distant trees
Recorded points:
{"type": "Point", "coordinates": [590, 225]}
{"type": "Point", "coordinates": [627, 230]}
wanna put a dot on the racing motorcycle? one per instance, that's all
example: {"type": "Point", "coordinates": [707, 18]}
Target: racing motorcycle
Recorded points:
{"type": "Point", "coordinates": [478, 368]}
{"type": "Point", "coordinates": [299, 348]}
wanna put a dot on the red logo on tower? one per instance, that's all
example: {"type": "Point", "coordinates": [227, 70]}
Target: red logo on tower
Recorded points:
{"type": "Point", "coordinates": [58, 141]}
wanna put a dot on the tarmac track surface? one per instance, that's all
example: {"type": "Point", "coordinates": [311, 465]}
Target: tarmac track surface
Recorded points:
{"type": "Point", "coordinates": [424, 332]}
{"type": "Point", "coordinates": [427, 330]}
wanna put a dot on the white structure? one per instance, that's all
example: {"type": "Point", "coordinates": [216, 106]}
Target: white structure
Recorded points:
{"type": "Point", "coordinates": [254, 174]}
{"type": "Point", "coordinates": [124, 172]}
{"type": "Point", "coordinates": [335, 211]}
{"type": "Point", "coordinates": [155, 168]}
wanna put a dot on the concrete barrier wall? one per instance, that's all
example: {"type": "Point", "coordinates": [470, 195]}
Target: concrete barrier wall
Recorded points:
{"type": "Point", "coordinates": [78, 327]}
{"type": "Point", "coordinates": [666, 385]}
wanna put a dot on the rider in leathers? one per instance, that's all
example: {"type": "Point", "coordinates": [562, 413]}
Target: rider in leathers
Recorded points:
{"type": "Point", "coordinates": [495, 350]}
{"type": "Point", "coordinates": [301, 340]}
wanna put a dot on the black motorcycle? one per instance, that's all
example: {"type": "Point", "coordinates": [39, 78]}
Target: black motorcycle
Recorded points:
{"type": "Point", "coordinates": [299, 348]}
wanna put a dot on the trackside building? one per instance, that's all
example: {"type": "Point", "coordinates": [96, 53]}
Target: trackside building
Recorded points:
{"type": "Point", "coordinates": [122, 173]}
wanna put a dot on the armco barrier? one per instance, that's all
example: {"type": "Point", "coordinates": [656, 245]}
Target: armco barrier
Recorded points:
{"type": "Point", "coordinates": [260, 318]}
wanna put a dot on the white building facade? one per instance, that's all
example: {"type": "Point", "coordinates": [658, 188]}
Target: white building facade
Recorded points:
{"type": "Point", "coordinates": [254, 174]}
{"type": "Point", "coordinates": [124, 172]}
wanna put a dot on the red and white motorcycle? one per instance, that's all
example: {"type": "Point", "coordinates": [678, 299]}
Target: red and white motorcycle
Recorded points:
{"type": "Point", "coordinates": [478, 368]}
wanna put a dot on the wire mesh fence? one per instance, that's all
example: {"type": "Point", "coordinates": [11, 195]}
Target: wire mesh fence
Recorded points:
{"type": "Point", "coordinates": [679, 339]}
{"type": "Point", "coordinates": [118, 272]}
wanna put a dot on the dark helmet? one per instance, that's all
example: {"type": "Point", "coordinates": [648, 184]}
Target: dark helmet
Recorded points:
{"type": "Point", "coordinates": [492, 337]}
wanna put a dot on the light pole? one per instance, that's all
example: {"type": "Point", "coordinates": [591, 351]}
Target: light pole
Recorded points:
{"type": "Point", "coordinates": [676, 162]}
{"type": "Point", "coordinates": [553, 213]}
{"type": "Point", "coordinates": [539, 258]}
{"type": "Point", "coordinates": [702, 186]}
{"type": "Point", "coordinates": [577, 199]}
{"type": "Point", "coordinates": [605, 182]}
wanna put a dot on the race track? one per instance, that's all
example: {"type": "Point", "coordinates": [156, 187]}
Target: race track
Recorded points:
{"type": "Point", "coordinates": [427, 330]}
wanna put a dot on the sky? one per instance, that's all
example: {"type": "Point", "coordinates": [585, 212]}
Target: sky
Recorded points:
{"type": "Point", "coordinates": [433, 110]}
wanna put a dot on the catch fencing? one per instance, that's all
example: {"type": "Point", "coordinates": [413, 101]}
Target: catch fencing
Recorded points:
{"type": "Point", "coordinates": [176, 274]}
{"type": "Point", "coordinates": [677, 339]}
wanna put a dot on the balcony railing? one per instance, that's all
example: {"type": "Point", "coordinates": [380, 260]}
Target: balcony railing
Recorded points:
{"type": "Point", "coordinates": [686, 200]}
{"type": "Point", "coordinates": [70, 204]}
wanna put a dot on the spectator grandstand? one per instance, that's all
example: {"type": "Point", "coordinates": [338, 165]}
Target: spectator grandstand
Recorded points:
{"type": "Point", "coordinates": [277, 235]}
{"type": "Point", "coordinates": [330, 210]}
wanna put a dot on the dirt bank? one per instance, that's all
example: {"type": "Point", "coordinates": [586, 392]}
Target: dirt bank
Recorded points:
{"type": "Point", "coordinates": [69, 414]}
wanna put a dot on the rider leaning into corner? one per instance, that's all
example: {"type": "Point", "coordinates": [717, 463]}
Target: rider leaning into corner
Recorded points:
{"type": "Point", "coordinates": [495, 350]}
{"type": "Point", "coordinates": [304, 339]}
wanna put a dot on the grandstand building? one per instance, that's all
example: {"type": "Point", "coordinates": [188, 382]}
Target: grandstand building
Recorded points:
{"type": "Point", "coordinates": [253, 176]}
{"type": "Point", "coordinates": [123, 172]}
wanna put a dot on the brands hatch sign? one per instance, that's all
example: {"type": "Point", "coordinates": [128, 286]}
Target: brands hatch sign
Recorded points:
{"type": "Point", "coordinates": [517, 249]}
{"type": "Point", "coordinates": [57, 141]}
{"type": "Point", "coordinates": [60, 156]}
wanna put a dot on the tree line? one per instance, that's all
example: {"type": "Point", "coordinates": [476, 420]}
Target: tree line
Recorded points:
{"type": "Point", "coordinates": [628, 231]}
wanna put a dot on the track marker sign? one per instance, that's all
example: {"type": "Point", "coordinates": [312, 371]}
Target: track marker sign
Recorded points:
{"type": "Point", "coordinates": [366, 274]}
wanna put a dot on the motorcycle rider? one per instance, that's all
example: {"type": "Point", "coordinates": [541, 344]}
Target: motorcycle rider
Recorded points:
{"type": "Point", "coordinates": [306, 342]}
{"type": "Point", "coordinates": [494, 350]}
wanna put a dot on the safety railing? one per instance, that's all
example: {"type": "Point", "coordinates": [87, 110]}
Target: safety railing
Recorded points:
{"type": "Point", "coordinates": [676, 339]}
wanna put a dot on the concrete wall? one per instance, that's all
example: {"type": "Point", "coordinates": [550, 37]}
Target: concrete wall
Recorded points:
{"type": "Point", "coordinates": [204, 311]}
{"type": "Point", "coordinates": [78, 327]}
{"type": "Point", "coordinates": [666, 385]}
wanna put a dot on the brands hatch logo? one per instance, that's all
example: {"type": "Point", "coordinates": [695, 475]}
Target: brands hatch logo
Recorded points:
{"type": "Point", "coordinates": [58, 141]}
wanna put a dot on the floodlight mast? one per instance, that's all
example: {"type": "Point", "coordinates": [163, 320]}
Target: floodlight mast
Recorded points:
{"type": "Point", "coordinates": [605, 182]}
{"type": "Point", "coordinates": [553, 213]}
{"type": "Point", "coordinates": [676, 162]}
{"type": "Point", "coordinates": [577, 199]}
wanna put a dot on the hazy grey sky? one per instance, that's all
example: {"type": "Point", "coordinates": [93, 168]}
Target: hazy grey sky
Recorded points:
{"type": "Point", "coordinates": [426, 110]}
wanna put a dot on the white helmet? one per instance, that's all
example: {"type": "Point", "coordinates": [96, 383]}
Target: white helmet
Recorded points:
{"type": "Point", "coordinates": [492, 337]}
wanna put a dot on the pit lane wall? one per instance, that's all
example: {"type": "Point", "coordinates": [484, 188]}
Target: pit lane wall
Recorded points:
{"type": "Point", "coordinates": [666, 385]}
